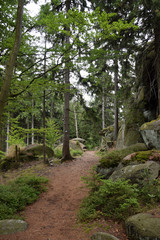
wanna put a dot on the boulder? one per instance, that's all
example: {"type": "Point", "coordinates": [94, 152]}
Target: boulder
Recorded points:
{"type": "Point", "coordinates": [79, 140]}
{"type": "Point", "coordinates": [137, 173]}
{"type": "Point", "coordinates": [75, 145]}
{"type": "Point", "coordinates": [105, 172]}
{"type": "Point", "coordinates": [150, 132]}
{"type": "Point", "coordinates": [12, 226]}
{"type": "Point", "coordinates": [120, 137]}
{"type": "Point", "coordinates": [103, 236]}
{"type": "Point", "coordinates": [141, 157]}
{"type": "Point", "coordinates": [143, 226]}
{"type": "Point", "coordinates": [107, 137]}
{"type": "Point", "coordinates": [37, 150]}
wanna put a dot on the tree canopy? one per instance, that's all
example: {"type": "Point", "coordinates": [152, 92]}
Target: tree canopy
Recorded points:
{"type": "Point", "coordinates": [72, 48]}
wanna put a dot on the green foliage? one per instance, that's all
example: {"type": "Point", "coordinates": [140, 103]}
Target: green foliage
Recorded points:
{"type": "Point", "coordinates": [116, 200]}
{"type": "Point", "coordinates": [2, 154]}
{"type": "Point", "coordinates": [114, 157]}
{"type": "Point", "coordinates": [150, 190]}
{"type": "Point", "coordinates": [58, 153]}
{"type": "Point", "coordinates": [16, 134]}
{"type": "Point", "coordinates": [74, 152]}
{"type": "Point", "coordinates": [15, 195]}
{"type": "Point", "coordinates": [53, 133]}
{"type": "Point", "coordinates": [93, 180]}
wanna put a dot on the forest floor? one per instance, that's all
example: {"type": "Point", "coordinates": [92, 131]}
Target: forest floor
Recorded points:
{"type": "Point", "coordinates": [54, 215]}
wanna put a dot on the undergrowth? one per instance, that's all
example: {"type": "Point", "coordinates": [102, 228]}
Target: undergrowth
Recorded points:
{"type": "Point", "coordinates": [74, 153]}
{"type": "Point", "coordinates": [15, 195]}
{"type": "Point", "coordinates": [116, 199]}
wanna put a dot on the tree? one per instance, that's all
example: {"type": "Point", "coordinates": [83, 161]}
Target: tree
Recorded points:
{"type": "Point", "coordinates": [66, 149]}
{"type": "Point", "coordinates": [11, 62]}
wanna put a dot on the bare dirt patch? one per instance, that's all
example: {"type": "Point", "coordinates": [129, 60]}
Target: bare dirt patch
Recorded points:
{"type": "Point", "coordinates": [53, 216]}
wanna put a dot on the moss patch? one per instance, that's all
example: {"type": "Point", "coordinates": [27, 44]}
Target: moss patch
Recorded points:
{"type": "Point", "coordinates": [153, 125]}
{"type": "Point", "coordinates": [143, 156]}
{"type": "Point", "coordinates": [113, 158]}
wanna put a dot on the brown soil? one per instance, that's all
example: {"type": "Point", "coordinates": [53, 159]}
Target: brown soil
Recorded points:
{"type": "Point", "coordinates": [54, 215]}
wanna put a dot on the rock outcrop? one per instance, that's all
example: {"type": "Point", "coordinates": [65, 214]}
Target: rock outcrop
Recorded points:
{"type": "Point", "coordinates": [143, 226]}
{"type": "Point", "coordinates": [12, 226]}
{"type": "Point", "coordinates": [137, 173]}
{"type": "Point", "coordinates": [107, 137]}
{"type": "Point", "coordinates": [151, 133]}
{"type": "Point", "coordinates": [37, 150]}
{"type": "Point", "coordinates": [103, 236]}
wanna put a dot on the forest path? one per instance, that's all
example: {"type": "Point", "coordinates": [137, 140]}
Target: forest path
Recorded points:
{"type": "Point", "coordinates": [53, 215]}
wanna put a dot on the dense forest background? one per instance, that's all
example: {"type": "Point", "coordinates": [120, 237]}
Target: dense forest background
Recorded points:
{"type": "Point", "coordinates": [49, 63]}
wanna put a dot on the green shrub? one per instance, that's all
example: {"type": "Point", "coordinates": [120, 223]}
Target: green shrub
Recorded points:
{"type": "Point", "coordinates": [58, 152]}
{"type": "Point", "coordinates": [150, 191]}
{"type": "Point", "coordinates": [119, 199]}
{"type": "Point", "coordinates": [93, 180]}
{"type": "Point", "coordinates": [116, 200]}
{"type": "Point", "coordinates": [75, 152]}
{"type": "Point", "coordinates": [15, 195]}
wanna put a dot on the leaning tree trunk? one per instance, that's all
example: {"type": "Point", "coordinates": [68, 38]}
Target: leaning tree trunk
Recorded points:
{"type": "Point", "coordinates": [11, 63]}
{"type": "Point", "coordinates": [66, 150]}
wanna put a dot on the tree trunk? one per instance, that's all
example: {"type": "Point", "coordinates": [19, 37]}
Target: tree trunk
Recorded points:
{"type": "Point", "coordinates": [44, 108]}
{"type": "Point", "coordinates": [116, 100]}
{"type": "Point", "coordinates": [7, 143]}
{"type": "Point", "coordinates": [32, 123]}
{"type": "Point", "coordinates": [76, 122]}
{"type": "Point", "coordinates": [66, 150]}
{"type": "Point", "coordinates": [103, 109]}
{"type": "Point", "coordinates": [44, 126]}
{"type": "Point", "coordinates": [27, 137]}
{"type": "Point", "coordinates": [157, 58]}
{"type": "Point", "coordinates": [11, 63]}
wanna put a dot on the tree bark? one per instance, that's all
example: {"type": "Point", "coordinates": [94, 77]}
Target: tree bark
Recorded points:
{"type": "Point", "coordinates": [11, 63]}
{"type": "Point", "coordinates": [44, 108]}
{"type": "Point", "coordinates": [103, 108]}
{"type": "Point", "coordinates": [32, 123]}
{"type": "Point", "coordinates": [76, 122]}
{"type": "Point", "coordinates": [7, 143]}
{"type": "Point", "coordinates": [157, 59]}
{"type": "Point", "coordinates": [66, 149]}
{"type": "Point", "coordinates": [27, 137]}
{"type": "Point", "coordinates": [116, 100]}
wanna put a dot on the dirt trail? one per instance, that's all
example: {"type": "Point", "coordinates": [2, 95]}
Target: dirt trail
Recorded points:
{"type": "Point", "coordinates": [53, 216]}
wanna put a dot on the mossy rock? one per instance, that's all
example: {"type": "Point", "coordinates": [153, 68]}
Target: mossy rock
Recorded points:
{"type": "Point", "coordinates": [103, 236]}
{"type": "Point", "coordinates": [142, 157]}
{"type": "Point", "coordinates": [143, 226]}
{"type": "Point", "coordinates": [153, 125]}
{"type": "Point", "coordinates": [12, 226]}
{"type": "Point", "coordinates": [114, 157]}
{"type": "Point", "coordinates": [108, 130]}
{"type": "Point", "coordinates": [37, 150]}
{"type": "Point", "coordinates": [137, 173]}
{"type": "Point", "coordinates": [75, 145]}
{"type": "Point", "coordinates": [131, 137]}
{"type": "Point", "coordinates": [150, 132]}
